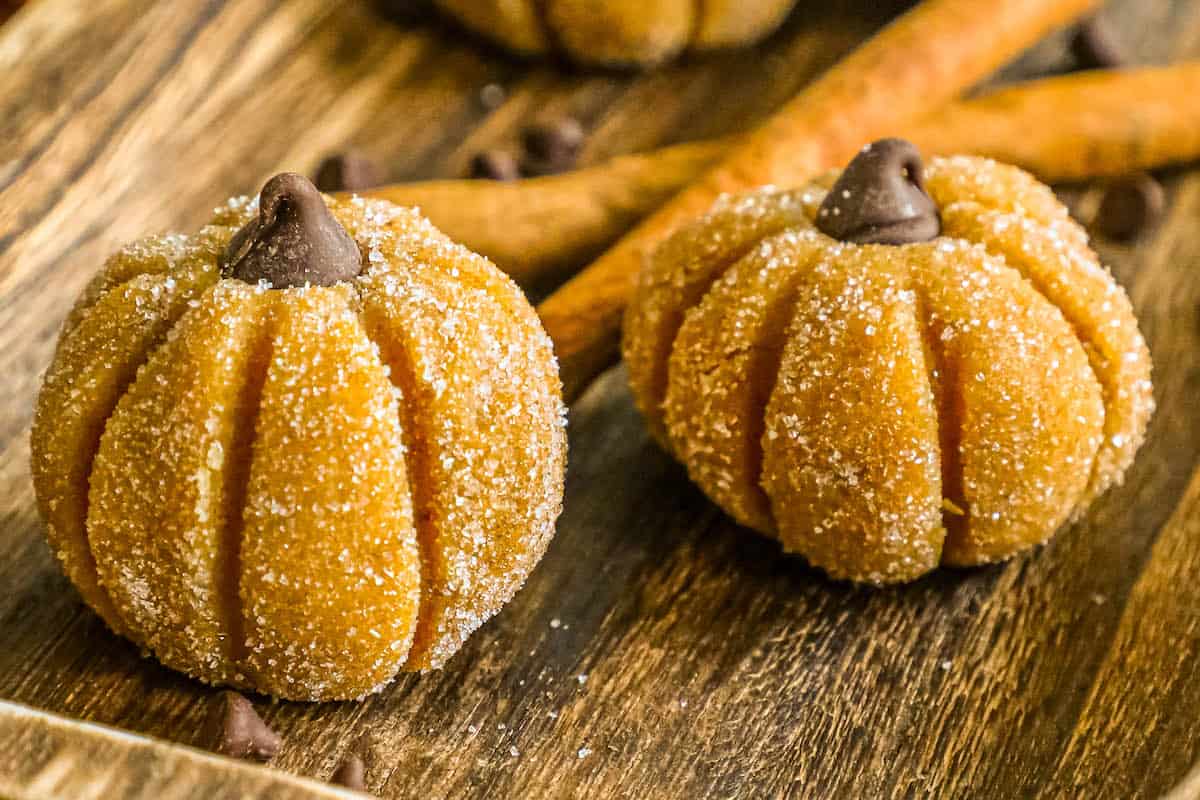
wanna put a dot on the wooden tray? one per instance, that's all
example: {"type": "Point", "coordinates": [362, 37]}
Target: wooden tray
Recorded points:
{"type": "Point", "coordinates": [658, 651]}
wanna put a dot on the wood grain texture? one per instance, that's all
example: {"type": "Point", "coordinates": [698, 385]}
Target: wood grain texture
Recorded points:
{"type": "Point", "coordinates": [658, 650]}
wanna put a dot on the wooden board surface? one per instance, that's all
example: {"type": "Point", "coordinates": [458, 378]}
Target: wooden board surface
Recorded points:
{"type": "Point", "coordinates": [658, 651]}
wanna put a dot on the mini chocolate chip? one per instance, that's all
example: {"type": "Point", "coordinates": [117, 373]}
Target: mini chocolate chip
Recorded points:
{"type": "Point", "coordinates": [1094, 46]}
{"type": "Point", "coordinates": [552, 147]}
{"type": "Point", "coordinates": [1129, 207]}
{"type": "Point", "coordinates": [492, 96]}
{"type": "Point", "coordinates": [234, 728]}
{"type": "Point", "coordinates": [293, 241]}
{"type": "Point", "coordinates": [404, 10]}
{"type": "Point", "coordinates": [350, 171]}
{"type": "Point", "coordinates": [351, 773]}
{"type": "Point", "coordinates": [880, 198]}
{"type": "Point", "coordinates": [496, 165]}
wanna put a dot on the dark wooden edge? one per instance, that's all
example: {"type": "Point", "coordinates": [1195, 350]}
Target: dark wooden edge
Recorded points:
{"type": "Point", "coordinates": [44, 756]}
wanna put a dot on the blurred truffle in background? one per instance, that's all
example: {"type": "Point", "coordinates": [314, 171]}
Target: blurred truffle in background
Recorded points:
{"type": "Point", "coordinates": [618, 33]}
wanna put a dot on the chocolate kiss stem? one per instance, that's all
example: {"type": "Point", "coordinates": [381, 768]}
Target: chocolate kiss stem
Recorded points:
{"type": "Point", "coordinates": [293, 241]}
{"type": "Point", "coordinates": [880, 198]}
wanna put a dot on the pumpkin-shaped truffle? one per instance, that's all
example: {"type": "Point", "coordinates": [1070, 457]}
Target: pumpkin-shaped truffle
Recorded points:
{"type": "Point", "coordinates": [889, 372]}
{"type": "Point", "coordinates": [619, 32]}
{"type": "Point", "coordinates": [302, 449]}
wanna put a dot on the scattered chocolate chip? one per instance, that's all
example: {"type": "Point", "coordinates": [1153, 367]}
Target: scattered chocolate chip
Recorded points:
{"type": "Point", "coordinates": [293, 241]}
{"type": "Point", "coordinates": [403, 10]}
{"type": "Point", "coordinates": [880, 198]}
{"type": "Point", "coordinates": [1094, 46]}
{"type": "Point", "coordinates": [1129, 207]}
{"type": "Point", "coordinates": [552, 147]}
{"type": "Point", "coordinates": [350, 171]}
{"type": "Point", "coordinates": [234, 728]}
{"type": "Point", "coordinates": [351, 773]}
{"type": "Point", "coordinates": [492, 96]}
{"type": "Point", "coordinates": [8, 8]}
{"type": "Point", "coordinates": [496, 165]}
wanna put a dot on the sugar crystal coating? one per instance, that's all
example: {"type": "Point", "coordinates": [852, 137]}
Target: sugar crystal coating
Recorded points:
{"type": "Point", "coordinates": [301, 491]}
{"type": "Point", "coordinates": [886, 409]}
{"type": "Point", "coordinates": [161, 483]}
{"type": "Point", "coordinates": [475, 383]}
{"type": "Point", "coordinates": [679, 275]}
{"type": "Point", "coordinates": [724, 359]}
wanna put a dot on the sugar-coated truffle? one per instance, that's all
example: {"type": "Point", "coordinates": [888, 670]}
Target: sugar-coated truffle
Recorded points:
{"type": "Point", "coordinates": [883, 407]}
{"type": "Point", "coordinates": [300, 478]}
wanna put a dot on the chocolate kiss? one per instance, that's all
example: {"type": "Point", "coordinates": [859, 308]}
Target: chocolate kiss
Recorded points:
{"type": "Point", "coordinates": [293, 241]}
{"type": "Point", "coordinates": [880, 198]}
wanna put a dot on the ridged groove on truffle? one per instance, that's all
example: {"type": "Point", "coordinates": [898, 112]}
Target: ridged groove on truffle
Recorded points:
{"type": "Point", "coordinates": [239, 458]}
{"type": "Point", "coordinates": [164, 480]}
{"type": "Point", "coordinates": [470, 381]}
{"type": "Point", "coordinates": [120, 320]}
{"type": "Point", "coordinates": [850, 450]}
{"type": "Point", "coordinates": [329, 615]}
{"type": "Point", "coordinates": [944, 383]}
{"type": "Point", "coordinates": [400, 370]}
{"type": "Point", "coordinates": [723, 367]}
{"type": "Point", "coordinates": [677, 276]}
{"type": "Point", "coordinates": [1077, 287]}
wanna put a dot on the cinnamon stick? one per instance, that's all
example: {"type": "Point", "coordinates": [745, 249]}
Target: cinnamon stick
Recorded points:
{"type": "Point", "coordinates": [1066, 128]}
{"type": "Point", "coordinates": [918, 63]}
{"type": "Point", "coordinates": [536, 227]}
{"type": "Point", "coordinates": [1084, 125]}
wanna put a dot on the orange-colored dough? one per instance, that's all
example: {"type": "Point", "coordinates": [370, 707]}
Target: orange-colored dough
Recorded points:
{"type": "Point", "coordinates": [883, 409]}
{"type": "Point", "coordinates": [681, 272]}
{"type": "Point", "coordinates": [301, 491]}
